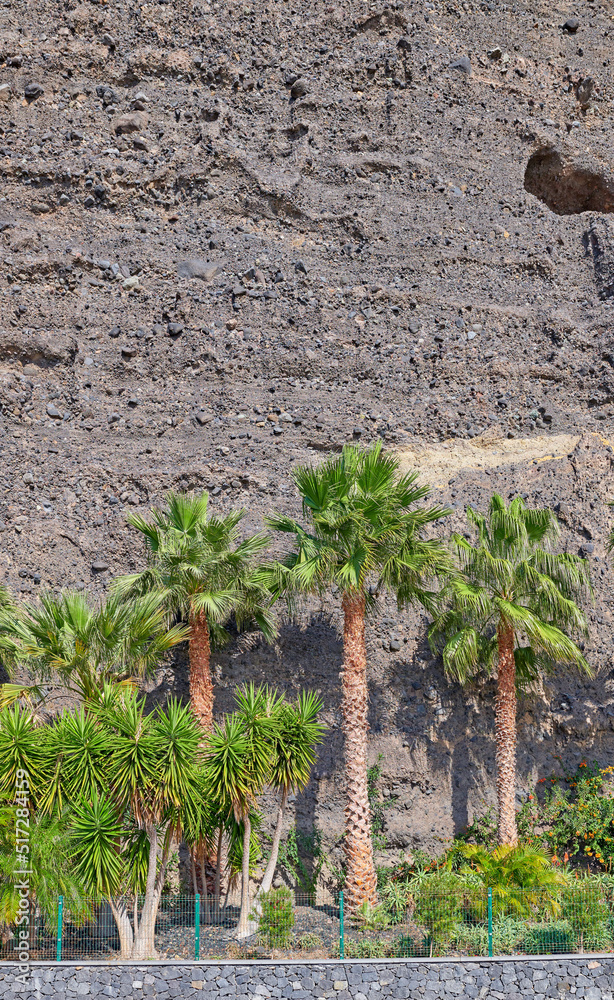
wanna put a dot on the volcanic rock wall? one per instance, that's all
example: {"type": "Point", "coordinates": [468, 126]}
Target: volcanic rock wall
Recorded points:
{"type": "Point", "coordinates": [234, 236]}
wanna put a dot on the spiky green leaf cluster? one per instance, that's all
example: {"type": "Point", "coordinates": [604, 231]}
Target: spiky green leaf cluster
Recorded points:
{"type": "Point", "coordinates": [84, 646]}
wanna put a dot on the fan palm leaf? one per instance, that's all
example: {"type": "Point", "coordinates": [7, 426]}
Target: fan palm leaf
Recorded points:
{"type": "Point", "coordinates": [513, 601]}
{"type": "Point", "coordinates": [365, 530]}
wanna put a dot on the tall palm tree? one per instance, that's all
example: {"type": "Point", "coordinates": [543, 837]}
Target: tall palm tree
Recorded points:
{"type": "Point", "coordinates": [66, 638]}
{"type": "Point", "coordinates": [196, 561]}
{"type": "Point", "coordinates": [364, 526]}
{"type": "Point", "coordinates": [511, 606]}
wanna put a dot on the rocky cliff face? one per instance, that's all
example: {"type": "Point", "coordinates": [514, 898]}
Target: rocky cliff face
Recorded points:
{"type": "Point", "coordinates": [237, 235]}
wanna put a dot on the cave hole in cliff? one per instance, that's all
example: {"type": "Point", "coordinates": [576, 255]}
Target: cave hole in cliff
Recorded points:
{"type": "Point", "coordinates": [565, 187]}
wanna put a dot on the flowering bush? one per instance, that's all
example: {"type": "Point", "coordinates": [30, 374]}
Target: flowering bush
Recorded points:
{"type": "Point", "coordinates": [574, 817]}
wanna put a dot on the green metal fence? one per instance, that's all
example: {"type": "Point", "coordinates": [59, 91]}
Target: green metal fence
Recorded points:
{"type": "Point", "coordinates": [422, 925]}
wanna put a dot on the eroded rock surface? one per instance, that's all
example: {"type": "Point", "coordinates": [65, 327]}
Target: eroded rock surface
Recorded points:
{"type": "Point", "coordinates": [234, 236]}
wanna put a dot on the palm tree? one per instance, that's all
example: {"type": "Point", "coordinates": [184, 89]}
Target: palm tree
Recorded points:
{"type": "Point", "coordinates": [512, 605]}
{"type": "Point", "coordinates": [294, 754]}
{"type": "Point", "coordinates": [85, 646]}
{"type": "Point", "coordinates": [364, 525]}
{"type": "Point", "coordinates": [205, 573]}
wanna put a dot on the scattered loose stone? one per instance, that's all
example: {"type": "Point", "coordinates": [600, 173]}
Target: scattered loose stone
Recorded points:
{"type": "Point", "coordinates": [32, 91]}
{"type": "Point", "coordinates": [136, 121]}
{"type": "Point", "coordinates": [463, 64]}
{"type": "Point", "coordinates": [195, 268]}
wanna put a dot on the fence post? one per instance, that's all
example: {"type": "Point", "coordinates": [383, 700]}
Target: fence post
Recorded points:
{"type": "Point", "coordinates": [341, 927]}
{"type": "Point", "coordinates": [197, 927]}
{"type": "Point", "coordinates": [490, 923]}
{"type": "Point", "coordinates": [58, 950]}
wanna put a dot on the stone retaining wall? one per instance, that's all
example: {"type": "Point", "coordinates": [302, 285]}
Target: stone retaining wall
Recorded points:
{"type": "Point", "coordinates": [589, 977]}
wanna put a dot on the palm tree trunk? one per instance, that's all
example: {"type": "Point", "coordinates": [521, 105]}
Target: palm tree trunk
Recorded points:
{"type": "Point", "coordinates": [505, 736]}
{"type": "Point", "coordinates": [269, 873]}
{"type": "Point", "coordinates": [360, 879]}
{"type": "Point", "coordinates": [244, 929]}
{"type": "Point", "coordinates": [201, 687]}
{"type": "Point", "coordinates": [201, 684]}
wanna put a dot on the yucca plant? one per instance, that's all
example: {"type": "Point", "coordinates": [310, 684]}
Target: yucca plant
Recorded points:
{"type": "Point", "coordinates": [511, 608]}
{"type": "Point", "coordinates": [295, 739]}
{"type": "Point", "coordinates": [239, 757]}
{"type": "Point", "coordinates": [126, 780]}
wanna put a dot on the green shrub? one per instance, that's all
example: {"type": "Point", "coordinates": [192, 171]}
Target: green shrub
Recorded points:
{"type": "Point", "coordinates": [406, 946]}
{"type": "Point", "coordinates": [439, 907]}
{"type": "Point", "coordinates": [276, 918]}
{"type": "Point", "coordinates": [302, 857]}
{"type": "Point", "coordinates": [546, 938]}
{"type": "Point", "coordinates": [572, 815]}
{"type": "Point", "coordinates": [587, 913]}
{"type": "Point", "coordinates": [472, 939]}
{"type": "Point", "coordinates": [310, 942]}
{"type": "Point", "coordinates": [371, 917]}
{"type": "Point", "coordinates": [362, 948]}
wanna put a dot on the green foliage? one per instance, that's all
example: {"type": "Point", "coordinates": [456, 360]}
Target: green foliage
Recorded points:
{"type": "Point", "coordinates": [505, 867]}
{"type": "Point", "coordinates": [234, 831]}
{"type": "Point", "coordinates": [20, 748]}
{"type": "Point", "coordinates": [310, 942]}
{"type": "Point", "coordinates": [587, 911]}
{"type": "Point", "coordinates": [364, 522]}
{"type": "Point", "coordinates": [276, 918]}
{"type": "Point", "coordinates": [439, 908]}
{"type": "Point", "coordinates": [97, 832]}
{"type": "Point", "coordinates": [575, 815]}
{"type": "Point", "coordinates": [84, 647]}
{"type": "Point", "coordinates": [117, 773]}
{"type": "Point", "coordinates": [240, 753]}
{"type": "Point", "coordinates": [197, 564]}
{"type": "Point", "coordinates": [482, 829]}
{"type": "Point", "coordinates": [52, 871]}
{"type": "Point", "coordinates": [371, 917]}
{"type": "Point", "coordinates": [395, 895]}
{"type": "Point", "coordinates": [377, 805]}
{"type": "Point", "coordinates": [297, 734]}
{"type": "Point", "coordinates": [363, 948]}
{"type": "Point", "coordinates": [510, 575]}
{"type": "Point", "coordinates": [303, 858]}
